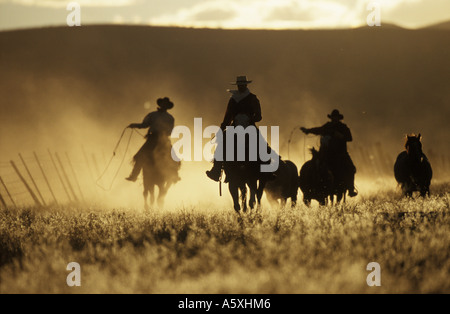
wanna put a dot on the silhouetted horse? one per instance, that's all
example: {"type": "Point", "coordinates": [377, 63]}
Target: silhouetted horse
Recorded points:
{"type": "Point", "coordinates": [243, 174]}
{"type": "Point", "coordinates": [159, 170]}
{"type": "Point", "coordinates": [240, 175]}
{"type": "Point", "coordinates": [316, 180]}
{"type": "Point", "coordinates": [285, 184]}
{"type": "Point", "coordinates": [412, 169]}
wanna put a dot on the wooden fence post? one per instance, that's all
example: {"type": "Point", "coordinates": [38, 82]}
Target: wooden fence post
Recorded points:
{"type": "Point", "coordinates": [45, 178]}
{"type": "Point", "coordinates": [66, 177]}
{"type": "Point", "coordinates": [33, 196]}
{"type": "Point", "coordinates": [32, 179]}
{"type": "Point", "coordinates": [7, 192]}
{"type": "Point", "coordinates": [59, 176]}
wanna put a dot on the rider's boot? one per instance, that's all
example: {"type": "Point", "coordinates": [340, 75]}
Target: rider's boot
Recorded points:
{"type": "Point", "coordinates": [214, 173]}
{"type": "Point", "coordinates": [134, 174]}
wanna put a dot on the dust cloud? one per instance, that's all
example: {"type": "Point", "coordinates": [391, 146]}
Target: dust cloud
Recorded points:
{"type": "Point", "coordinates": [74, 90]}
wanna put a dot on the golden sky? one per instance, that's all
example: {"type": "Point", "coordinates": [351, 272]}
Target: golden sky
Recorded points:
{"type": "Point", "coordinates": [268, 14]}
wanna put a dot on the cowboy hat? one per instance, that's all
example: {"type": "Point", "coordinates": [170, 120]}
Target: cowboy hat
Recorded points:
{"type": "Point", "coordinates": [336, 114]}
{"type": "Point", "coordinates": [164, 103]}
{"type": "Point", "coordinates": [241, 80]}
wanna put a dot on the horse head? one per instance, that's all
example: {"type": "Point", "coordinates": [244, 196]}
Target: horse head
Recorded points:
{"type": "Point", "coordinates": [413, 147]}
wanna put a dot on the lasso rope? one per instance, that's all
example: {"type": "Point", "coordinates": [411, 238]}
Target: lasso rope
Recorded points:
{"type": "Point", "coordinates": [112, 157]}
{"type": "Point", "coordinates": [290, 140]}
{"type": "Point", "coordinates": [304, 142]}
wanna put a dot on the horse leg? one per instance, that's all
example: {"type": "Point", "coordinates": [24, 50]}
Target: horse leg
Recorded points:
{"type": "Point", "coordinates": [243, 189]}
{"type": "Point", "coordinates": [340, 197]}
{"type": "Point", "coordinates": [408, 192]}
{"type": "Point", "coordinates": [234, 195]}
{"type": "Point", "coordinates": [260, 190]}
{"type": "Point", "coordinates": [152, 194]}
{"type": "Point", "coordinates": [163, 188]}
{"type": "Point", "coordinates": [322, 201]}
{"type": "Point", "coordinates": [424, 191]}
{"type": "Point", "coordinates": [332, 199]}
{"type": "Point", "coordinates": [293, 201]}
{"type": "Point", "coordinates": [253, 185]}
{"type": "Point", "coordinates": [145, 198]}
{"type": "Point", "coordinates": [307, 199]}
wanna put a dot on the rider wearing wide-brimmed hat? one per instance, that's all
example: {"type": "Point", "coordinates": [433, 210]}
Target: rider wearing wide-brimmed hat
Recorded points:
{"type": "Point", "coordinates": [160, 124]}
{"type": "Point", "coordinates": [333, 146]}
{"type": "Point", "coordinates": [242, 105]}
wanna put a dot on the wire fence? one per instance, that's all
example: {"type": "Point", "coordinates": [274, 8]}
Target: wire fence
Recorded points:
{"type": "Point", "coordinates": [49, 178]}
{"type": "Point", "coordinates": [56, 178]}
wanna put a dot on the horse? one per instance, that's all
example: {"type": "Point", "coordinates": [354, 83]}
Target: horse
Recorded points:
{"type": "Point", "coordinates": [412, 170]}
{"type": "Point", "coordinates": [316, 180]}
{"type": "Point", "coordinates": [159, 170]}
{"type": "Point", "coordinates": [340, 180]}
{"type": "Point", "coordinates": [246, 173]}
{"type": "Point", "coordinates": [239, 176]}
{"type": "Point", "coordinates": [285, 184]}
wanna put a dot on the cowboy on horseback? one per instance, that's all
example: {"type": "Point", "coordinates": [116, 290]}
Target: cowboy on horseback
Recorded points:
{"type": "Point", "coordinates": [333, 147]}
{"type": "Point", "coordinates": [160, 124]}
{"type": "Point", "coordinates": [243, 105]}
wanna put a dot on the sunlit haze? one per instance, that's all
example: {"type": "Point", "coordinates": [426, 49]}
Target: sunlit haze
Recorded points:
{"type": "Point", "coordinates": [230, 14]}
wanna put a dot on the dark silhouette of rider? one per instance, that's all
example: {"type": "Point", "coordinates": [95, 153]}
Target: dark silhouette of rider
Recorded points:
{"type": "Point", "coordinates": [160, 124]}
{"type": "Point", "coordinates": [333, 147]}
{"type": "Point", "coordinates": [242, 103]}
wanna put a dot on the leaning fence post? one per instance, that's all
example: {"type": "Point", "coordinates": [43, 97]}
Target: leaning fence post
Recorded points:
{"type": "Point", "coordinates": [96, 165]}
{"type": "Point", "coordinates": [33, 196]}
{"type": "Point", "coordinates": [87, 163]}
{"type": "Point", "coordinates": [66, 177]}
{"type": "Point", "coordinates": [74, 176]}
{"type": "Point", "coordinates": [7, 192]}
{"type": "Point", "coordinates": [91, 174]}
{"type": "Point", "coordinates": [45, 178]}
{"type": "Point", "coordinates": [3, 201]}
{"type": "Point", "coordinates": [59, 176]}
{"type": "Point", "coordinates": [32, 179]}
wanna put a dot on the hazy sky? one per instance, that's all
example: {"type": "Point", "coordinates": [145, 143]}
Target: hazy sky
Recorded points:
{"type": "Point", "coordinates": [272, 14]}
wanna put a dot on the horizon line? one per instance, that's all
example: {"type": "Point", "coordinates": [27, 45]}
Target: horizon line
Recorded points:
{"type": "Point", "coordinates": [389, 24]}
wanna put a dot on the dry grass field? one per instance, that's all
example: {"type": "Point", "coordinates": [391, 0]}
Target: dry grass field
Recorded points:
{"type": "Point", "coordinates": [73, 90]}
{"type": "Point", "coordinates": [213, 250]}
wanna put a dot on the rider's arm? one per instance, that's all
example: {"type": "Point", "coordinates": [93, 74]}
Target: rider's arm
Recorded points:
{"type": "Point", "coordinates": [136, 126]}
{"type": "Point", "coordinates": [146, 123]}
{"type": "Point", "coordinates": [321, 130]}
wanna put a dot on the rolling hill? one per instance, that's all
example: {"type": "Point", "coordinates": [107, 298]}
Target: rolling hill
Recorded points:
{"type": "Point", "coordinates": [62, 85]}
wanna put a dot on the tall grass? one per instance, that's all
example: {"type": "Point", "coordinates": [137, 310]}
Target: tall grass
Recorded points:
{"type": "Point", "coordinates": [209, 250]}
